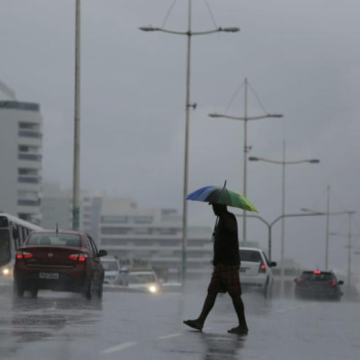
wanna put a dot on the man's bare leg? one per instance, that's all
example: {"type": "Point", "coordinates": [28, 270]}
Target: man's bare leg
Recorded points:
{"type": "Point", "coordinates": [242, 329]}
{"type": "Point", "coordinates": [207, 307]}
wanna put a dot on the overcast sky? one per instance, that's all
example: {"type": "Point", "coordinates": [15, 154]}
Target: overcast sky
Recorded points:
{"type": "Point", "coordinates": [301, 57]}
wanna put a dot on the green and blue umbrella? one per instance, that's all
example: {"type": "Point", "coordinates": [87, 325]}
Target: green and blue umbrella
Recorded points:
{"type": "Point", "coordinates": [223, 196]}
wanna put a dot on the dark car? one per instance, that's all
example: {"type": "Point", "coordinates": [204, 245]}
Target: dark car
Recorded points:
{"type": "Point", "coordinates": [318, 284]}
{"type": "Point", "coordinates": [59, 261]}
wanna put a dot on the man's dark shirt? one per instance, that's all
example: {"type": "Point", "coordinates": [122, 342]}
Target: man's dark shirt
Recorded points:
{"type": "Point", "coordinates": [226, 242]}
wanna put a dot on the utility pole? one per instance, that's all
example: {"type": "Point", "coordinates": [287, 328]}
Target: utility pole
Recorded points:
{"type": "Point", "coordinates": [350, 214]}
{"type": "Point", "coordinates": [283, 202]}
{"type": "Point", "coordinates": [246, 149]}
{"type": "Point", "coordinates": [76, 171]}
{"type": "Point", "coordinates": [189, 34]}
{"type": "Point", "coordinates": [327, 228]}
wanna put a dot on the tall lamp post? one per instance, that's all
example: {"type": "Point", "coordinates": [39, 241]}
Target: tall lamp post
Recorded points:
{"type": "Point", "coordinates": [283, 163]}
{"type": "Point", "coordinates": [189, 34]}
{"type": "Point", "coordinates": [76, 170]}
{"type": "Point", "coordinates": [349, 246]}
{"type": "Point", "coordinates": [245, 118]}
{"type": "Point", "coordinates": [327, 232]}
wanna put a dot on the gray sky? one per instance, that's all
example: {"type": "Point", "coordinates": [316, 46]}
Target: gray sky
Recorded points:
{"type": "Point", "coordinates": [302, 58]}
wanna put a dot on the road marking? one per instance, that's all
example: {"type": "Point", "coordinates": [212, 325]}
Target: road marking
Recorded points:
{"type": "Point", "coordinates": [118, 347]}
{"type": "Point", "coordinates": [168, 336]}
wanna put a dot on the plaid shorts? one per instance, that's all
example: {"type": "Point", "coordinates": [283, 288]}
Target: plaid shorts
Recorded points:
{"type": "Point", "coordinates": [225, 278]}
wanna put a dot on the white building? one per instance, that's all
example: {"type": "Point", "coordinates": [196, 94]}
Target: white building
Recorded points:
{"type": "Point", "coordinates": [20, 156]}
{"type": "Point", "coordinates": [153, 237]}
{"type": "Point", "coordinates": [56, 209]}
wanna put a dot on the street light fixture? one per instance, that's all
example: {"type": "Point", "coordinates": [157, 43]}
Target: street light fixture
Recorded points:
{"type": "Point", "coordinates": [245, 118]}
{"type": "Point", "coordinates": [283, 163]}
{"type": "Point", "coordinates": [189, 34]}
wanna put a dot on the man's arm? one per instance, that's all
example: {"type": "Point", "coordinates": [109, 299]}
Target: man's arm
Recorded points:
{"type": "Point", "coordinates": [231, 223]}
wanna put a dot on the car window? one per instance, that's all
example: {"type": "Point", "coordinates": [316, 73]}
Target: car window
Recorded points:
{"type": "Point", "coordinates": [317, 276]}
{"type": "Point", "coordinates": [92, 243]}
{"type": "Point", "coordinates": [110, 265]}
{"type": "Point", "coordinates": [53, 239]}
{"type": "Point", "coordinates": [141, 278]}
{"type": "Point", "coordinates": [90, 247]}
{"type": "Point", "coordinates": [250, 256]}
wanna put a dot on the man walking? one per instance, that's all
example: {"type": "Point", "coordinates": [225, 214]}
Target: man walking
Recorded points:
{"type": "Point", "coordinates": [225, 277]}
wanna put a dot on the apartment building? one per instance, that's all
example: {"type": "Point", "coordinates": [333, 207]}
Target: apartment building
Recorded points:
{"type": "Point", "coordinates": [153, 237]}
{"type": "Point", "coordinates": [20, 156]}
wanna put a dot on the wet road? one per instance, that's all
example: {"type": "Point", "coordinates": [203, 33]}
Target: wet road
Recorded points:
{"type": "Point", "coordinates": [141, 326]}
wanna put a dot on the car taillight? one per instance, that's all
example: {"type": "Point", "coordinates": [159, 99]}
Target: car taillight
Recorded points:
{"type": "Point", "coordinates": [24, 255]}
{"type": "Point", "coordinates": [317, 272]}
{"type": "Point", "coordinates": [78, 257]}
{"type": "Point", "coordinates": [333, 283]}
{"type": "Point", "coordinates": [262, 268]}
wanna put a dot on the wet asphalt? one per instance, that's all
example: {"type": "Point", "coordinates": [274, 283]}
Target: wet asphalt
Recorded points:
{"type": "Point", "coordinates": [135, 326]}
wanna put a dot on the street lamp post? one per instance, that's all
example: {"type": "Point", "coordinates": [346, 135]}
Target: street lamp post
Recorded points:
{"type": "Point", "coordinates": [271, 224]}
{"type": "Point", "coordinates": [349, 246]}
{"type": "Point", "coordinates": [189, 34]}
{"type": "Point", "coordinates": [328, 213]}
{"type": "Point", "coordinates": [76, 170]}
{"type": "Point", "coordinates": [283, 163]}
{"type": "Point", "coordinates": [245, 118]}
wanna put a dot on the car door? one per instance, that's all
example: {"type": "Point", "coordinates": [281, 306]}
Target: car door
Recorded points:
{"type": "Point", "coordinates": [98, 268]}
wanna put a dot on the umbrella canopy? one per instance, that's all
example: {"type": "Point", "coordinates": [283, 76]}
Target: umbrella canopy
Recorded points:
{"type": "Point", "coordinates": [221, 195]}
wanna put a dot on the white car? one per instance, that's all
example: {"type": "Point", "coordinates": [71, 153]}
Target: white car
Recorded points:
{"type": "Point", "coordinates": [111, 267]}
{"type": "Point", "coordinates": [143, 281]}
{"type": "Point", "coordinates": [255, 270]}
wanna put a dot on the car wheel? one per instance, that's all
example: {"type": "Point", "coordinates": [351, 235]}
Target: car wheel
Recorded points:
{"type": "Point", "coordinates": [89, 290]}
{"type": "Point", "coordinates": [100, 290]}
{"type": "Point", "coordinates": [266, 290]}
{"type": "Point", "coordinates": [18, 290]}
{"type": "Point", "coordinates": [34, 293]}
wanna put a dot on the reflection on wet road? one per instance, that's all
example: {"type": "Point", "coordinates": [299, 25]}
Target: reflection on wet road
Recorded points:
{"type": "Point", "coordinates": [141, 326]}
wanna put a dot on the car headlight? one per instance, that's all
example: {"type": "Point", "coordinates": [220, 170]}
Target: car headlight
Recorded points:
{"type": "Point", "coordinates": [153, 289]}
{"type": "Point", "coordinates": [5, 271]}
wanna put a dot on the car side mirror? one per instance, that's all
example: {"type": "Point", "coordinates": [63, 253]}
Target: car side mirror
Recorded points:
{"type": "Point", "coordinates": [341, 282]}
{"type": "Point", "coordinates": [102, 253]}
{"type": "Point", "coordinates": [273, 264]}
{"type": "Point", "coordinates": [295, 280]}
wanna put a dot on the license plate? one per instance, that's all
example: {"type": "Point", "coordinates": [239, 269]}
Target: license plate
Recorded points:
{"type": "Point", "coordinates": [243, 269]}
{"type": "Point", "coordinates": [53, 276]}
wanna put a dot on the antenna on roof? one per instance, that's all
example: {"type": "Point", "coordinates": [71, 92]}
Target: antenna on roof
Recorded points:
{"type": "Point", "coordinates": [57, 228]}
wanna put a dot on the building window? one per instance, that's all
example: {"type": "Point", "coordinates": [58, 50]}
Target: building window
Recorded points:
{"type": "Point", "coordinates": [114, 219]}
{"type": "Point", "coordinates": [114, 231]}
{"type": "Point", "coordinates": [30, 134]}
{"type": "Point", "coordinates": [22, 202]}
{"type": "Point", "coordinates": [141, 219]}
{"type": "Point", "coordinates": [30, 157]}
{"type": "Point", "coordinates": [29, 149]}
{"type": "Point", "coordinates": [28, 172]}
{"type": "Point", "coordinates": [28, 180]}
{"type": "Point", "coordinates": [29, 126]}
{"type": "Point", "coordinates": [28, 195]}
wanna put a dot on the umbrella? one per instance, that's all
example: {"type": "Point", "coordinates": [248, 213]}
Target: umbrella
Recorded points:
{"type": "Point", "coordinates": [221, 195]}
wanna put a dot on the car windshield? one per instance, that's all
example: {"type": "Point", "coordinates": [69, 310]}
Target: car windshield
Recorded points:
{"type": "Point", "coordinates": [110, 265]}
{"type": "Point", "coordinates": [5, 251]}
{"type": "Point", "coordinates": [43, 239]}
{"type": "Point", "coordinates": [317, 276]}
{"type": "Point", "coordinates": [141, 278]}
{"type": "Point", "coordinates": [250, 256]}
